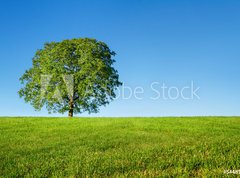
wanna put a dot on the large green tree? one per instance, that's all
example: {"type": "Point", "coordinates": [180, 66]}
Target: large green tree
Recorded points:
{"type": "Point", "coordinates": [74, 75]}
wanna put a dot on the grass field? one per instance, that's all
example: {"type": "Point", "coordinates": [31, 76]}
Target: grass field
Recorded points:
{"type": "Point", "coordinates": [119, 147]}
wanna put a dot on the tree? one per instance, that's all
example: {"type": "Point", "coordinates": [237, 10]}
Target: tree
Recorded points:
{"type": "Point", "coordinates": [74, 75]}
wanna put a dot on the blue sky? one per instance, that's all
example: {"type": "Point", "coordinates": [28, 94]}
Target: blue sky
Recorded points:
{"type": "Point", "coordinates": [171, 42]}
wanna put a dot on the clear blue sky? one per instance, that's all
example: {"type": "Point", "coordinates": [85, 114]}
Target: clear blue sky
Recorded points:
{"type": "Point", "coordinates": [173, 41]}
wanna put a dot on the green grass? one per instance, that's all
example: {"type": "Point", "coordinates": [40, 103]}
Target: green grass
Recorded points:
{"type": "Point", "coordinates": [119, 147]}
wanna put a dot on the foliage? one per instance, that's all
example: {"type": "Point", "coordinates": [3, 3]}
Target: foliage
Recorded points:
{"type": "Point", "coordinates": [73, 75]}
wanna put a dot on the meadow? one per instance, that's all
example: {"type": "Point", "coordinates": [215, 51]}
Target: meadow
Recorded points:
{"type": "Point", "coordinates": [119, 147]}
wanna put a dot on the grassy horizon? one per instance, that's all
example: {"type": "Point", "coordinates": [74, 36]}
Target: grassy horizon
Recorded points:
{"type": "Point", "coordinates": [119, 147]}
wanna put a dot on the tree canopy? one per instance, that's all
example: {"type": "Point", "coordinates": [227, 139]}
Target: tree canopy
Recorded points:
{"type": "Point", "coordinates": [74, 75]}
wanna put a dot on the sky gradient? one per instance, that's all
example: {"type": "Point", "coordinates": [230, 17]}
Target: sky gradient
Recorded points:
{"type": "Point", "coordinates": [170, 42]}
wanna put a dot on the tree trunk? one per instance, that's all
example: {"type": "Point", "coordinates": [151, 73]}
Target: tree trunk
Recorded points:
{"type": "Point", "coordinates": [70, 112]}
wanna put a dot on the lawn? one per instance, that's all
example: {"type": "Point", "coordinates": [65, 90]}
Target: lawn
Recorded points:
{"type": "Point", "coordinates": [119, 147]}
